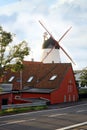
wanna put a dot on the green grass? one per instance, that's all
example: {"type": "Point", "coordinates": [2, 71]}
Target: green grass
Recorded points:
{"type": "Point", "coordinates": [20, 110]}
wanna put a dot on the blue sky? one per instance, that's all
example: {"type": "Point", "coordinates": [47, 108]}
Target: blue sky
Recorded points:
{"type": "Point", "coordinates": [21, 18]}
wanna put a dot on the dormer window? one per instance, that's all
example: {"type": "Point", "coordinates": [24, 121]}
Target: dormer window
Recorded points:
{"type": "Point", "coordinates": [53, 77]}
{"type": "Point", "coordinates": [30, 79]}
{"type": "Point", "coordinates": [11, 78]}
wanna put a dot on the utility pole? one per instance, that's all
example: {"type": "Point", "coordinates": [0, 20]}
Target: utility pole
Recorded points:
{"type": "Point", "coordinates": [20, 79]}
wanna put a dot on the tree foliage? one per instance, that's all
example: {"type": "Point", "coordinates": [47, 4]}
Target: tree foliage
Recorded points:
{"type": "Point", "coordinates": [84, 77]}
{"type": "Point", "coordinates": [11, 56]}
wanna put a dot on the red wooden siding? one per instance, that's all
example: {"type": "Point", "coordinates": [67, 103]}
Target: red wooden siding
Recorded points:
{"type": "Point", "coordinates": [36, 95]}
{"type": "Point", "coordinates": [5, 99]}
{"type": "Point", "coordinates": [63, 88]}
{"type": "Point", "coordinates": [64, 93]}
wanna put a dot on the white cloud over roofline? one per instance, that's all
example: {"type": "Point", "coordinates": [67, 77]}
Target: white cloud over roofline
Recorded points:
{"type": "Point", "coordinates": [58, 17]}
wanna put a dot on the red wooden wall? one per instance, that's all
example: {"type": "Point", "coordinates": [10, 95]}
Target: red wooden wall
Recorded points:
{"type": "Point", "coordinates": [67, 92]}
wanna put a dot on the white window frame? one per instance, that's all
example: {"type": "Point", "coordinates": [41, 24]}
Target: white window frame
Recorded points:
{"type": "Point", "coordinates": [53, 77]}
{"type": "Point", "coordinates": [11, 78]}
{"type": "Point", "coordinates": [30, 79]}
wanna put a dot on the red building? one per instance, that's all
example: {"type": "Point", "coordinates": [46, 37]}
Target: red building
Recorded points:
{"type": "Point", "coordinates": [54, 82]}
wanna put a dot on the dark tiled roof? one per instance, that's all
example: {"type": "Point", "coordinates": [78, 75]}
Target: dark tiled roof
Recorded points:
{"type": "Point", "coordinates": [41, 75]}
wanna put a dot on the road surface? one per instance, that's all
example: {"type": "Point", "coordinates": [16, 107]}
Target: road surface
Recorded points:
{"type": "Point", "coordinates": [73, 117]}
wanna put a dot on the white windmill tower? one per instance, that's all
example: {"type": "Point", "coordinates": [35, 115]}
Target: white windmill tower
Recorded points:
{"type": "Point", "coordinates": [48, 57]}
{"type": "Point", "coordinates": [51, 48]}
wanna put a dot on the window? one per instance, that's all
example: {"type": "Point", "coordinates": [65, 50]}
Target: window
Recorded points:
{"type": "Point", "coordinates": [70, 86]}
{"type": "Point", "coordinates": [69, 98]}
{"type": "Point", "coordinates": [73, 97]}
{"type": "Point", "coordinates": [30, 79]}
{"type": "Point", "coordinates": [53, 77]}
{"type": "Point", "coordinates": [64, 98]}
{"type": "Point", "coordinates": [11, 79]}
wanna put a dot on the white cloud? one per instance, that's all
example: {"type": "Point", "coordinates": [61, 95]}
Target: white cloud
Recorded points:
{"type": "Point", "coordinates": [57, 16]}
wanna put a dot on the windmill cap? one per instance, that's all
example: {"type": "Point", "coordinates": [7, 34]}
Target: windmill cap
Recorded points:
{"type": "Point", "coordinates": [50, 43]}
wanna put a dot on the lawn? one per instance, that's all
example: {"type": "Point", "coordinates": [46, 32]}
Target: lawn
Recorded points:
{"type": "Point", "coordinates": [20, 110]}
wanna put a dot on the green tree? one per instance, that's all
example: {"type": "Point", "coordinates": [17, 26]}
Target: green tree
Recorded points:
{"type": "Point", "coordinates": [11, 56]}
{"type": "Point", "coordinates": [83, 77]}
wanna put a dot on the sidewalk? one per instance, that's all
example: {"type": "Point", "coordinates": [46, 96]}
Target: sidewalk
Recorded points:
{"type": "Point", "coordinates": [66, 104]}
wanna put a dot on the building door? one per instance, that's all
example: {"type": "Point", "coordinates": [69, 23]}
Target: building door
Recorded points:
{"type": "Point", "coordinates": [4, 101]}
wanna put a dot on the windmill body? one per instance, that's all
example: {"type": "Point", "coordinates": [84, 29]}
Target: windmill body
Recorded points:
{"type": "Point", "coordinates": [54, 56]}
{"type": "Point", "coordinates": [51, 44]}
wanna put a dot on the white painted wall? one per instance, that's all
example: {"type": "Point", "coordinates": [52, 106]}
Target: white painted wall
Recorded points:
{"type": "Point", "coordinates": [54, 56]}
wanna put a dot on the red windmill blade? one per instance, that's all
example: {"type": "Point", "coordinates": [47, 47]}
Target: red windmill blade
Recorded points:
{"type": "Point", "coordinates": [57, 42]}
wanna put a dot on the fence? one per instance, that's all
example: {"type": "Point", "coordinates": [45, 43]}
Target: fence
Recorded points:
{"type": "Point", "coordinates": [23, 105]}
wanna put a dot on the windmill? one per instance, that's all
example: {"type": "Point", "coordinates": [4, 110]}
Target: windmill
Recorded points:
{"type": "Point", "coordinates": [54, 45]}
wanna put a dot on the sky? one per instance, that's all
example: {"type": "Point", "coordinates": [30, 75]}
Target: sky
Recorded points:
{"type": "Point", "coordinates": [21, 17]}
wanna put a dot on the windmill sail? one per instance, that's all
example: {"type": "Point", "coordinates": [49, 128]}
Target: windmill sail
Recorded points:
{"type": "Point", "coordinates": [57, 43]}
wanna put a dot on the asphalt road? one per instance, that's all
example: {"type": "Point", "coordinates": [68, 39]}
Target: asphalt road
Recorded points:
{"type": "Point", "coordinates": [57, 117]}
